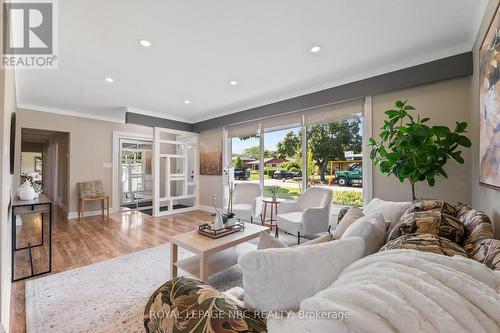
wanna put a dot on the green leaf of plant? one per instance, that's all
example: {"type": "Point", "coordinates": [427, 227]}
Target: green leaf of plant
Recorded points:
{"type": "Point", "coordinates": [400, 104]}
{"type": "Point", "coordinates": [392, 113]}
{"type": "Point", "coordinates": [461, 127]}
{"type": "Point", "coordinates": [458, 157]}
{"type": "Point", "coordinates": [440, 131]}
{"type": "Point", "coordinates": [431, 180]}
{"type": "Point", "coordinates": [443, 173]}
{"type": "Point", "coordinates": [464, 141]}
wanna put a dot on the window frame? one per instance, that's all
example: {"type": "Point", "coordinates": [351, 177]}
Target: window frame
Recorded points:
{"type": "Point", "coordinates": [367, 166]}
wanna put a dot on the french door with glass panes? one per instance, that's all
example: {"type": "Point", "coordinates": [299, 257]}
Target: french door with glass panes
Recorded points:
{"type": "Point", "coordinates": [136, 176]}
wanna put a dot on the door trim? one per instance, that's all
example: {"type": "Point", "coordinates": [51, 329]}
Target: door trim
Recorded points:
{"type": "Point", "coordinates": [117, 135]}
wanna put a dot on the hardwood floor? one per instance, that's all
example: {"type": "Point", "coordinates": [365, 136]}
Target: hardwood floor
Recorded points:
{"type": "Point", "coordinates": [94, 239]}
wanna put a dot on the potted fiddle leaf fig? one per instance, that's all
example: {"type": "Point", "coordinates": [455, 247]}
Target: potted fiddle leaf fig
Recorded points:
{"type": "Point", "coordinates": [411, 149]}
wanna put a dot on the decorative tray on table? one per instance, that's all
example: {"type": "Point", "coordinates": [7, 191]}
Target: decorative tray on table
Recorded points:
{"type": "Point", "coordinates": [209, 231]}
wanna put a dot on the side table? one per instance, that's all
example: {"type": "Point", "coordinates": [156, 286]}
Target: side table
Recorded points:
{"type": "Point", "coordinates": [273, 206]}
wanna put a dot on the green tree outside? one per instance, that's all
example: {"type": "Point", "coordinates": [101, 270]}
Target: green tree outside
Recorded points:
{"type": "Point", "coordinates": [238, 163]}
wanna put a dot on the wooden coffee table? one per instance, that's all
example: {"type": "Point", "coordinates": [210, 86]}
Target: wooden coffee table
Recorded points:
{"type": "Point", "coordinates": [211, 255]}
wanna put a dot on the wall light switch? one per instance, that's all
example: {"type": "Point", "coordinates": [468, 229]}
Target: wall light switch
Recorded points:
{"type": "Point", "coordinates": [107, 165]}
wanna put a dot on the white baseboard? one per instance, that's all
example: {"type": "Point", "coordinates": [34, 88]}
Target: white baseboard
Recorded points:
{"type": "Point", "coordinates": [6, 296]}
{"type": "Point", "coordinates": [209, 209]}
{"type": "Point", "coordinates": [74, 215]}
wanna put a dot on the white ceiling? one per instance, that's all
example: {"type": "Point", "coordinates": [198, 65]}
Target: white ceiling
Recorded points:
{"type": "Point", "coordinates": [199, 46]}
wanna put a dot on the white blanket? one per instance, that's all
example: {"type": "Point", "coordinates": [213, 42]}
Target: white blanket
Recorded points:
{"type": "Point", "coordinates": [403, 291]}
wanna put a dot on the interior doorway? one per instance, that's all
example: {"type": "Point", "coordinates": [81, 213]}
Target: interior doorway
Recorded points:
{"type": "Point", "coordinates": [44, 161]}
{"type": "Point", "coordinates": [136, 175]}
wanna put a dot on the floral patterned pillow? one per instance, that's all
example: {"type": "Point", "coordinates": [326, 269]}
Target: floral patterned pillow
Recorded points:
{"type": "Point", "coordinates": [425, 205]}
{"type": "Point", "coordinates": [429, 222]}
{"type": "Point", "coordinates": [486, 252]}
{"type": "Point", "coordinates": [189, 305]}
{"type": "Point", "coordinates": [425, 243]}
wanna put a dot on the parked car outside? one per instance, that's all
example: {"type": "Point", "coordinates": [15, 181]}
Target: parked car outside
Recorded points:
{"type": "Point", "coordinates": [282, 174]}
{"type": "Point", "coordinates": [241, 174]}
{"type": "Point", "coordinates": [353, 175]}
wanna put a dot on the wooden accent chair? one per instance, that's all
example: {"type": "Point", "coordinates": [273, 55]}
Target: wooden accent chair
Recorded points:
{"type": "Point", "coordinates": [91, 191]}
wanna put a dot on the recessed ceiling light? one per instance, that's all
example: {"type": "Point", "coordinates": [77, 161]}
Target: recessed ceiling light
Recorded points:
{"type": "Point", "coordinates": [109, 79]}
{"type": "Point", "coordinates": [187, 101]}
{"type": "Point", "coordinates": [315, 49]}
{"type": "Point", "coordinates": [145, 43]}
{"type": "Point", "coordinates": [233, 83]}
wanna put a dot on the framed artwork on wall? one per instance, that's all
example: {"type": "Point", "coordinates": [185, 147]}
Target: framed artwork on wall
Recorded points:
{"type": "Point", "coordinates": [211, 157]}
{"type": "Point", "coordinates": [489, 100]}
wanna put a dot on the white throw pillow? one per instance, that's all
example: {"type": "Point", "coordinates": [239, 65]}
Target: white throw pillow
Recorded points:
{"type": "Point", "coordinates": [267, 241]}
{"type": "Point", "coordinates": [352, 215]}
{"type": "Point", "coordinates": [391, 210]}
{"type": "Point", "coordinates": [371, 229]}
{"type": "Point", "coordinates": [279, 279]}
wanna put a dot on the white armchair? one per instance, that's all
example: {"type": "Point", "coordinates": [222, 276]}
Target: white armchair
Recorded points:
{"type": "Point", "coordinates": [247, 201]}
{"type": "Point", "coordinates": [308, 215]}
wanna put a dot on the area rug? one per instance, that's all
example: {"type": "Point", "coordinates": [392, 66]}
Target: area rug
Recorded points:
{"type": "Point", "coordinates": [109, 296]}
{"type": "Point", "coordinates": [105, 297]}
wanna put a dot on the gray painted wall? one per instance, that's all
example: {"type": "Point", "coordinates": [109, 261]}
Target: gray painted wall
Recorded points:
{"type": "Point", "coordinates": [140, 119]}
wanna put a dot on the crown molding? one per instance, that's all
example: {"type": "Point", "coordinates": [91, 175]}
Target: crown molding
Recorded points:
{"type": "Point", "coordinates": [72, 113]}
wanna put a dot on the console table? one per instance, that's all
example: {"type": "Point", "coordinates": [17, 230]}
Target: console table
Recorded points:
{"type": "Point", "coordinates": [41, 205]}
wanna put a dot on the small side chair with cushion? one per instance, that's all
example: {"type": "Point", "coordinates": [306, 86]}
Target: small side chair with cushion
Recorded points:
{"type": "Point", "coordinates": [306, 216]}
{"type": "Point", "coordinates": [91, 191]}
{"type": "Point", "coordinates": [247, 201]}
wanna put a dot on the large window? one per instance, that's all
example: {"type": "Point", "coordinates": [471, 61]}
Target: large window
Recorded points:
{"type": "Point", "coordinates": [335, 159]}
{"type": "Point", "coordinates": [283, 164]}
{"type": "Point", "coordinates": [246, 158]}
{"type": "Point", "coordinates": [316, 147]}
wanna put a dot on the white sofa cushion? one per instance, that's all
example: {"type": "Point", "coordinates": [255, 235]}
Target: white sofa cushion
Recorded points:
{"type": "Point", "coordinates": [267, 241]}
{"type": "Point", "coordinates": [391, 210]}
{"type": "Point", "coordinates": [371, 229]}
{"type": "Point", "coordinates": [279, 279]}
